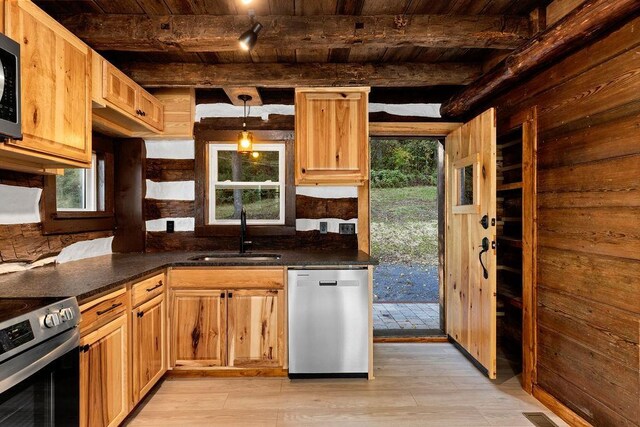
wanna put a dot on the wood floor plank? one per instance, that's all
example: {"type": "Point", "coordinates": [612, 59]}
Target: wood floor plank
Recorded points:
{"type": "Point", "coordinates": [416, 385]}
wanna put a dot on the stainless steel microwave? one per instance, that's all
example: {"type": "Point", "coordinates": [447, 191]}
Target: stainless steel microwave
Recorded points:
{"type": "Point", "coordinates": [10, 106]}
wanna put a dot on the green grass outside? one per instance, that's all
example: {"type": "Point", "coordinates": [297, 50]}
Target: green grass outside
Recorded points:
{"type": "Point", "coordinates": [404, 225]}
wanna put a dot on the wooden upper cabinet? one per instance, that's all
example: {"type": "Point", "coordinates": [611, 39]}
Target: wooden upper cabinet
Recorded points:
{"type": "Point", "coordinates": [119, 89]}
{"type": "Point", "coordinates": [256, 328]}
{"type": "Point", "coordinates": [151, 110]}
{"type": "Point", "coordinates": [332, 136]}
{"type": "Point", "coordinates": [149, 346]}
{"type": "Point", "coordinates": [199, 324]}
{"type": "Point", "coordinates": [104, 384]}
{"type": "Point", "coordinates": [123, 108]}
{"type": "Point", "coordinates": [56, 89]}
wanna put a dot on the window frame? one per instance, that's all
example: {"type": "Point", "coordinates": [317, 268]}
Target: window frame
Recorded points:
{"type": "Point", "coordinates": [205, 137]}
{"type": "Point", "coordinates": [65, 221]}
{"type": "Point", "coordinates": [458, 166]}
{"type": "Point", "coordinates": [213, 149]}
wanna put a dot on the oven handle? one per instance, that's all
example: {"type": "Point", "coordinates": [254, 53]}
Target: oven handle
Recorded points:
{"type": "Point", "coordinates": [22, 366]}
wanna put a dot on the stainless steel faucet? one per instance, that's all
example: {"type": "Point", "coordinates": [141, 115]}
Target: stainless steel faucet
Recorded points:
{"type": "Point", "coordinates": [243, 232]}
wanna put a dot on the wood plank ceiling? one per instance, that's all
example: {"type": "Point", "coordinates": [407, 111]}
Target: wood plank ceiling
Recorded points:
{"type": "Point", "coordinates": [404, 52]}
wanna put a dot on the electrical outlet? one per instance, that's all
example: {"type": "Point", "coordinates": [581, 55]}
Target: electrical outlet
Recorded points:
{"type": "Point", "coordinates": [347, 228]}
{"type": "Point", "coordinates": [171, 226]}
{"type": "Point", "coordinates": [323, 227]}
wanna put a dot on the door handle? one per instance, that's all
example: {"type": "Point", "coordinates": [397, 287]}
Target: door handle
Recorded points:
{"type": "Point", "coordinates": [485, 248]}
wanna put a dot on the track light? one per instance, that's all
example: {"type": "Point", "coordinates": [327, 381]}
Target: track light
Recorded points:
{"type": "Point", "coordinates": [249, 38]}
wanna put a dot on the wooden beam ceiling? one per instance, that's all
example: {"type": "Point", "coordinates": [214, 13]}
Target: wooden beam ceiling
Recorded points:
{"type": "Point", "coordinates": [209, 33]}
{"type": "Point", "coordinates": [297, 75]}
{"type": "Point", "coordinates": [573, 31]}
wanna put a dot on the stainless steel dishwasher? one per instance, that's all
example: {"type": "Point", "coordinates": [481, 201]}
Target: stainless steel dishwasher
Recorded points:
{"type": "Point", "coordinates": [328, 323]}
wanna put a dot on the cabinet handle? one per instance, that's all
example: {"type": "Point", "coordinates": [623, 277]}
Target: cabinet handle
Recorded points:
{"type": "Point", "coordinates": [140, 314]}
{"type": "Point", "coordinates": [155, 287]}
{"type": "Point", "coordinates": [230, 294]}
{"type": "Point", "coordinates": [304, 170]}
{"type": "Point", "coordinates": [143, 113]}
{"type": "Point", "coordinates": [113, 306]}
{"type": "Point", "coordinates": [84, 348]}
{"type": "Point", "coordinates": [222, 295]}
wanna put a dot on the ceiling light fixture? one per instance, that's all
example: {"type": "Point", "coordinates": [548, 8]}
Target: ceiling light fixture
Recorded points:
{"type": "Point", "coordinates": [245, 138]}
{"type": "Point", "coordinates": [249, 38]}
{"type": "Point", "coordinates": [246, 1]}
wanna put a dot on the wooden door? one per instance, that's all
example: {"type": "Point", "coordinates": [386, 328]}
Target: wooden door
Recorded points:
{"type": "Point", "coordinates": [256, 328]}
{"type": "Point", "coordinates": [104, 386]}
{"type": "Point", "coordinates": [199, 325]}
{"type": "Point", "coordinates": [56, 84]}
{"type": "Point", "coordinates": [332, 136]}
{"type": "Point", "coordinates": [119, 89]}
{"type": "Point", "coordinates": [149, 346]}
{"type": "Point", "coordinates": [470, 277]}
{"type": "Point", "coordinates": [151, 110]}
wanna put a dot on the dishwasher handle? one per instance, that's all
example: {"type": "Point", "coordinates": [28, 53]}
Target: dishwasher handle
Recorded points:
{"type": "Point", "coordinates": [328, 283]}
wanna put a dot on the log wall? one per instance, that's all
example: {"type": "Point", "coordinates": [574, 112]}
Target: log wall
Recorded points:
{"type": "Point", "coordinates": [25, 242]}
{"type": "Point", "coordinates": [588, 255]}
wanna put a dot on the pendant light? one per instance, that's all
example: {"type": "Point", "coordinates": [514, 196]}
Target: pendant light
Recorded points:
{"type": "Point", "coordinates": [245, 138]}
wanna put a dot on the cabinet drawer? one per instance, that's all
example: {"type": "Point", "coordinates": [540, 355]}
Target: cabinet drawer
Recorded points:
{"type": "Point", "coordinates": [102, 310]}
{"type": "Point", "coordinates": [228, 278]}
{"type": "Point", "coordinates": [147, 289]}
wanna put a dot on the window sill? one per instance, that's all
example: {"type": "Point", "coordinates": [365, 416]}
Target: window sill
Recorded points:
{"type": "Point", "coordinates": [252, 230]}
{"type": "Point", "coordinates": [82, 214]}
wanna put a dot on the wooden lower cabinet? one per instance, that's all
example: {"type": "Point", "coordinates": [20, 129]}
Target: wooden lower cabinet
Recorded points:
{"type": "Point", "coordinates": [199, 323]}
{"type": "Point", "coordinates": [256, 328]}
{"type": "Point", "coordinates": [104, 384]}
{"type": "Point", "coordinates": [149, 347]}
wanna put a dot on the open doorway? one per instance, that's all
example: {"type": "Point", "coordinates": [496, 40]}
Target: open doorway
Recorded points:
{"type": "Point", "coordinates": [405, 231]}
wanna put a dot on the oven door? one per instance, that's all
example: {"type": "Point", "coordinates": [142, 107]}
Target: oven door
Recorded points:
{"type": "Point", "coordinates": [40, 387]}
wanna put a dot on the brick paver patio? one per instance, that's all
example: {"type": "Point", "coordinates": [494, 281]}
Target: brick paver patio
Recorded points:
{"type": "Point", "coordinates": [390, 315]}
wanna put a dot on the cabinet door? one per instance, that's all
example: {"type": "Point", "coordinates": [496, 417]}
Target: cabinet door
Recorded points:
{"type": "Point", "coordinates": [256, 328]}
{"type": "Point", "coordinates": [103, 375]}
{"type": "Point", "coordinates": [149, 347]}
{"type": "Point", "coordinates": [119, 89]}
{"type": "Point", "coordinates": [198, 325]}
{"type": "Point", "coordinates": [331, 137]}
{"type": "Point", "coordinates": [151, 110]}
{"type": "Point", "coordinates": [56, 84]}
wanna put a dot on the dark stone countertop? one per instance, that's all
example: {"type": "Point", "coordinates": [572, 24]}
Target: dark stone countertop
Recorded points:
{"type": "Point", "coordinates": [92, 277]}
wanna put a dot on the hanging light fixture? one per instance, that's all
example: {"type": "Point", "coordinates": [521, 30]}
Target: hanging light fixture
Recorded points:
{"type": "Point", "coordinates": [249, 38]}
{"type": "Point", "coordinates": [245, 138]}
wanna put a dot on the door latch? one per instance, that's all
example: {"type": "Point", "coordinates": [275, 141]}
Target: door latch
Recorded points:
{"type": "Point", "coordinates": [484, 222]}
{"type": "Point", "coordinates": [485, 248]}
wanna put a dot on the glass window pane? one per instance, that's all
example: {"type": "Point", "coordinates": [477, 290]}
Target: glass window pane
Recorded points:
{"type": "Point", "coordinates": [465, 179]}
{"type": "Point", "coordinates": [70, 191]}
{"type": "Point", "coordinates": [259, 204]}
{"type": "Point", "coordinates": [101, 184]}
{"type": "Point", "coordinates": [244, 167]}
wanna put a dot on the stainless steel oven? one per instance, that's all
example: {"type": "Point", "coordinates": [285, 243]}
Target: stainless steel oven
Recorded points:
{"type": "Point", "coordinates": [39, 363]}
{"type": "Point", "coordinates": [10, 104]}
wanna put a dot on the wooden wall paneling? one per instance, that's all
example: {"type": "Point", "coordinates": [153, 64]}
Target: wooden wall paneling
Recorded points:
{"type": "Point", "coordinates": [558, 9]}
{"type": "Point", "coordinates": [130, 190]}
{"type": "Point", "coordinates": [170, 169]}
{"type": "Point", "coordinates": [156, 209]}
{"type": "Point", "coordinates": [559, 408]}
{"type": "Point", "coordinates": [586, 370]}
{"type": "Point", "coordinates": [529, 245]}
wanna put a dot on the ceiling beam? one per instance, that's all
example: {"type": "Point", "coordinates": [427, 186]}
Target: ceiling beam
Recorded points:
{"type": "Point", "coordinates": [577, 28]}
{"type": "Point", "coordinates": [234, 94]}
{"type": "Point", "coordinates": [298, 75]}
{"type": "Point", "coordinates": [209, 33]}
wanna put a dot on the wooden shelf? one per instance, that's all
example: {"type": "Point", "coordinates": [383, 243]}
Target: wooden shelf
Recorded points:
{"type": "Point", "coordinates": [510, 186]}
{"type": "Point", "coordinates": [510, 241]}
{"type": "Point", "coordinates": [509, 269]}
{"type": "Point", "coordinates": [511, 219]}
{"type": "Point", "coordinates": [509, 144]}
{"type": "Point", "coordinates": [510, 167]}
{"type": "Point", "coordinates": [510, 297]}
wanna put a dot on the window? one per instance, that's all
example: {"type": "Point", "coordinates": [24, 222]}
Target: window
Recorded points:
{"type": "Point", "coordinates": [81, 200]}
{"type": "Point", "coordinates": [467, 185]}
{"type": "Point", "coordinates": [253, 181]}
{"type": "Point", "coordinates": [82, 189]}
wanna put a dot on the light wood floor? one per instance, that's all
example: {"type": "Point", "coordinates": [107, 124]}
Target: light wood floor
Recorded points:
{"type": "Point", "coordinates": [416, 384]}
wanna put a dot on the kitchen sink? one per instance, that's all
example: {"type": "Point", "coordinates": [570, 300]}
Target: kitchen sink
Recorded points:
{"type": "Point", "coordinates": [248, 257]}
